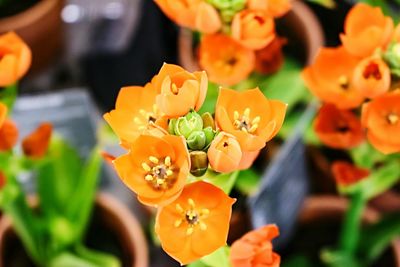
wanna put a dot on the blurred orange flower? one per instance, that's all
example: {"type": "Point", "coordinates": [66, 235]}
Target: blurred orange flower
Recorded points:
{"type": "Point", "coordinates": [372, 77]}
{"type": "Point", "coordinates": [194, 14]}
{"type": "Point", "coordinates": [135, 112]}
{"type": "Point", "coordinates": [155, 168]}
{"type": "Point", "coordinates": [196, 224]}
{"type": "Point", "coordinates": [3, 113]}
{"type": "Point", "coordinates": [8, 130]}
{"type": "Point", "coordinates": [338, 128]}
{"type": "Point", "coordinates": [179, 90]}
{"type": "Point", "coordinates": [248, 159]}
{"type": "Point", "coordinates": [254, 121]}
{"type": "Point", "coordinates": [397, 33]}
{"type": "Point", "coordinates": [276, 8]}
{"type": "Point", "coordinates": [225, 61]}
{"type": "Point", "coordinates": [270, 58]}
{"type": "Point", "coordinates": [346, 173]}
{"type": "Point", "coordinates": [255, 248]}
{"type": "Point", "coordinates": [330, 78]}
{"type": "Point", "coordinates": [36, 144]}
{"type": "Point", "coordinates": [366, 28]}
{"type": "Point", "coordinates": [224, 153]}
{"type": "Point", "coordinates": [108, 157]}
{"type": "Point", "coordinates": [381, 118]}
{"type": "Point", "coordinates": [254, 29]}
{"type": "Point", "coordinates": [15, 58]}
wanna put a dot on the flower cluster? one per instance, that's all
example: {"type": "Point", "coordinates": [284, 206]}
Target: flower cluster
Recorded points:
{"type": "Point", "coordinates": [358, 83]}
{"type": "Point", "coordinates": [238, 36]}
{"type": "Point", "coordinates": [168, 142]}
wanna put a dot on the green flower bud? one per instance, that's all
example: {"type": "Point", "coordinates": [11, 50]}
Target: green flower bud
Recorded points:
{"type": "Point", "coordinates": [392, 58]}
{"type": "Point", "coordinates": [171, 126]}
{"type": "Point", "coordinates": [186, 125]}
{"type": "Point", "coordinates": [228, 8]}
{"type": "Point", "coordinates": [196, 140]}
{"type": "Point", "coordinates": [208, 120]}
{"type": "Point", "coordinates": [198, 163]}
{"type": "Point", "coordinates": [210, 134]}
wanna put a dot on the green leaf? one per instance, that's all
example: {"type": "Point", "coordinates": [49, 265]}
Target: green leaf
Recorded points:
{"type": "Point", "coordinates": [377, 182]}
{"type": "Point", "coordinates": [211, 99]}
{"type": "Point", "coordinates": [82, 199]}
{"type": "Point", "coordinates": [198, 263]}
{"type": "Point", "coordinates": [376, 239]}
{"type": "Point", "coordinates": [366, 156]}
{"type": "Point", "coordinates": [334, 258]}
{"type": "Point", "coordinates": [225, 181]}
{"type": "Point", "coordinates": [247, 181]}
{"type": "Point", "coordinates": [8, 95]}
{"type": "Point", "coordinates": [96, 257]}
{"type": "Point", "coordinates": [219, 258]}
{"type": "Point", "coordinates": [58, 176]}
{"type": "Point", "coordinates": [67, 259]}
{"type": "Point", "coordinates": [298, 261]}
{"type": "Point", "coordinates": [325, 3]}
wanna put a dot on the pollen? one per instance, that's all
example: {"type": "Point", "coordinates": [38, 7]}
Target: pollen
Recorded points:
{"type": "Point", "coordinates": [160, 174]}
{"type": "Point", "coordinates": [244, 122]}
{"type": "Point", "coordinates": [191, 217]}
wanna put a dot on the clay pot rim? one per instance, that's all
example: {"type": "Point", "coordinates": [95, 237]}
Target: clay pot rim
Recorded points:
{"type": "Point", "coordinates": [130, 225]}
{"type": "Point", "coordinates": [314, 36]}
{"type": "Point", "coordinates": [334, 203]}
{"type": "Point", "coordinates": [28, 16]}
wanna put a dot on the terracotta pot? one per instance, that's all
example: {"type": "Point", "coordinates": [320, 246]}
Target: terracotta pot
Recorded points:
{"type": "Point", "coordinates": [388, 202]}
{"type": "Point", "coordinates": [319, 222]}
{"type": "Point", "coordinates": [119, 229]}
{"type": "Point", "coordinates": [41, 28]}
{"type": "Point", "coordinates": [300, 26]}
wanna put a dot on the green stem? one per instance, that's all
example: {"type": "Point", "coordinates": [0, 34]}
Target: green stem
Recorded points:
{"type": "Point", "coordinates": [99, 258]}
{"type": "Point", "coordinates": [350, 234]}
{"type": "Point", "coordinates": [68, 260]}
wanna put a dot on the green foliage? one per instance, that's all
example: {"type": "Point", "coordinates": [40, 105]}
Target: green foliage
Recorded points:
{"type": "Point", "coordinates": [224, 181]}
{"type": "Point", "coordinates": [325, 3]}
{"type": "Point", "coordinates": [66, 190]}
{"type": "Point", "coordinates": [247, 181]}
{"type": "Point", "coordinates": [219, 258]}
{"type": "Point", "coordinates": [8, 94]}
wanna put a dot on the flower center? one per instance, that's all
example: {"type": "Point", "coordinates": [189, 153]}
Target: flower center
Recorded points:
{"type": "Point", "coordinates": [372, 70]}
{"type": "Point", "coordinates": [392, 118]}
{"type": "Point", "coordinates": [343, 82]}
{"type": "Point", "coordinates": [191, 217]}
{"type": "Point", "coordinates": [146, 117]}
{"type": "Point", "coordinates": [244, 123]}
{"type": "Point", "coordinates": [159, 174]}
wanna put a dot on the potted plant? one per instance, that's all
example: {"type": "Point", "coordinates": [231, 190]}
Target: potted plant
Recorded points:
{"type": "Point", "coordinates": [184, 162]}
{"type": "Point", "coordinates": [357, 85]}
{"type": "Point", "coordinates": [55, 227]}
{"type": "Point", "coordinates": [39, 23]}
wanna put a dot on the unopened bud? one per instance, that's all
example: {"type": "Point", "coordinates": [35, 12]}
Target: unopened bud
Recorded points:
{"type": "Point", "coordinates": [199, 163]}
{"type": "Point", "coordinates": [186, 125]}
{"type": "Point", "coordinates": [196, 140]}
{"type": "Point", "coordinates": [208, 120]}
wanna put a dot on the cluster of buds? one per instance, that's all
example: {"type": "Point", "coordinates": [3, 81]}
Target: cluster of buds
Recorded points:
{"type": "Point", "coordinates": [168, 141]}
{"type": "Point", "coordinates": [238, 36]}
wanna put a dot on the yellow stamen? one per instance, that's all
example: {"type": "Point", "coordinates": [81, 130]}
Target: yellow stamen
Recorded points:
{"type": "Point", "coordinates": [205, 211]}
{"type": "Point", "coordinates": [137, 120]}
{"type": "Point", "coordinates": [174, 88]}
{"type": "Point", "coordinates": [253, 128]}
{"type": "Point", "coordinates": [179, 208]}
{"type": "Point", "coordinates": [146, 167]}
{"type": "Point", "coordinates": [343, 81]}
{"type": "Point", "coordinates": [178, 223]}
{"type": "Point", "coordinates": [256, 120]}
{"type": "Point", "coordinates": [169, 172]}
{"type": "Point", "coordinates": [191, 202]}
{"type": "Point", "coordinates": [189, 231]}
{"type": "Point", "coordinates": [167, 161]}
{"type": "Point", "coordinates": [153, 159]}
{"type": "Point", "coordinates": [148, 177]}
{"type": "Point", "coordinates": [236, 115]}
{"type": "Point", "coordinates": [393, 118]}
{"type": "Point", "coordinates": [160, 181]}
{"type": "Point", "coordinates": [246, 112]}
{"type": "Point", "coordinates": [203, 226]}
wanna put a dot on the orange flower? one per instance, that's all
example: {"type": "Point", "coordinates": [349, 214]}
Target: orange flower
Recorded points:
{"type": "Point", "coordinates": [196, 224]}
{"type": "Point", "coordinates": [179, 90]}
{"type": "Point", "coordinates": [8, 130]}
{"type": "Point", "coordinates": [3, 113]}
{"type": "Point", "coordinates": [347, 174]}
{"type": "Point", "coordinates": [35, 145]}
{"type": "Point", "coordinates": [276, 8]}
{"type": "Point", "coordinates": [225, 61]}
{"type": "Point", "coordinates": [248, 159]}
{"type": "Point", "coordinates": [155, 168]}
{"type": "Point", "coordinates": [372, 77]}
{"type": "Point", "coordinates": [381, 118]}
{"type": "Point", "coordinates": [254, 121]}
{"type": "Point", "coordinates": [224, 153]}
{"type": "Point", "coordinates": [254, 29]}
{"type": "Point", "coordinates": [108, 157]}
{"type": "Point", "coordinates": [366, 28]}
{"type": "Point", "coordinates": [270, 58]}
{"type": "Point", "coordinates": [135, 112]}
{"type": "Point", "coordinates": [397, 33]}
{"type": "Point", "coordinates": [15, 58]}
{"type": "Point", "coordinates": [194, 14]}
{"type": "Point", "coordinates": [255, 248]}
{"type": "Point", "coordinates": [330, 78]}
{"type": "Point", "coordinates": [338, 128]}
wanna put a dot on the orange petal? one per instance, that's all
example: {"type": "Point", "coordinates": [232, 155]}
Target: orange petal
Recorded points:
{"type": "Point", "coordinates": [36, 144]}
{"type": "Point", "coordinates": [224, 153]}
{"type": "Point", "coordinates": [207, 19]}
{"type": "Point", "coordinates": [3, 113]}
{"type": "Point", "coordinates": [8, 135]}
